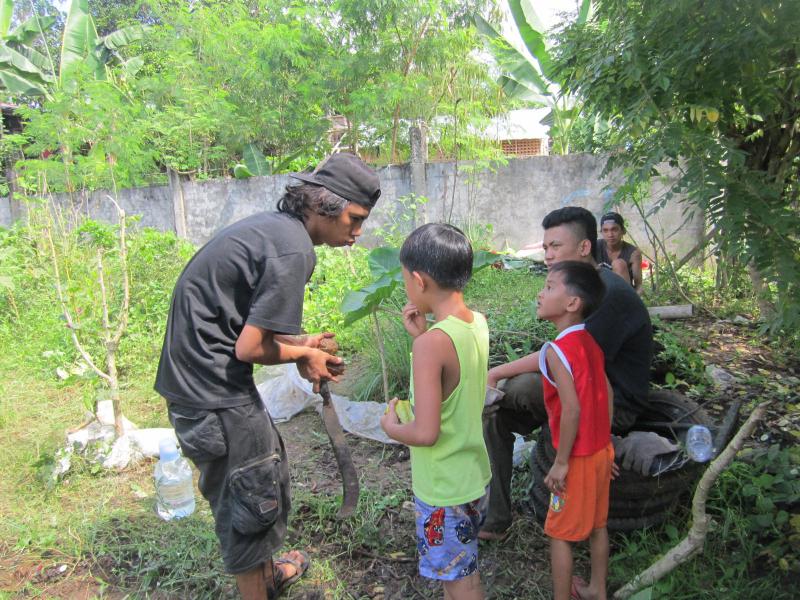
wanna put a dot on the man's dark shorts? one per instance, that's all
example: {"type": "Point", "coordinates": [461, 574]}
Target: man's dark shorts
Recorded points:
{"type": "Point", "coordinates": [244, 475]}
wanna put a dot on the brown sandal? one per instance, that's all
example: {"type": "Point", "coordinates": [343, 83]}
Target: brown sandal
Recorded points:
{"type": "Point", "coordinates": [280, 584]}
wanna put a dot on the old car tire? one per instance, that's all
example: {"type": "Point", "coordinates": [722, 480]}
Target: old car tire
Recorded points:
{"type": "Point", "coordinates": [636, 500]}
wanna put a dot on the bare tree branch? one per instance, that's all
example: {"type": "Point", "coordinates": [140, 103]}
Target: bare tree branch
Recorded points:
{"type": "Point", "coordinates": [695, 540]}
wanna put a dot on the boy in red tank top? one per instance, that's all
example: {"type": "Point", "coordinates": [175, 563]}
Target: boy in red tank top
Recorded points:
{"type": "Point", "coordinates": [578, 400]}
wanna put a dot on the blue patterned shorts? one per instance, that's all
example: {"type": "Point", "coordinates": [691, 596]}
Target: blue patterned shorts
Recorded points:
{"type": "Point", "coordinates": [447, 538]}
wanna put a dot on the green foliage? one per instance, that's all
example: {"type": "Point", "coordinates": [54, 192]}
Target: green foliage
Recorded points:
{"type": "Point", "coordinates": [385, 268]}
{"type": "Point", "coordinates": [508, 300]}
{"type": "Point", "coordinates": [337, 271]}
{"type": "Point", "coordinates": [400, 222]}
{"type": "Point", "coordinates": [155, 260]}
{"type": "Point", "coordinates": [766, 488]}
{"type": "Point", "coordinates": [23, 69]}
{"type": "Point", "coordinates": [677, 358]}
{"type": "Point", "coordinates": [236, 86]}
{"type": "Point", "coordinates": [726, 290]}
{"type": "Point", "coordinates": [710, 92]}
{"type": "Point", "coordinates": [90, 137]}
{"type": "Point", "coordinates": [30, 316]}
{"type": "Point", "coordinates": [730, 564]}
{"type": "Point", "coordinates": [397, 354]}
{"type": "Point", "coordinates": [145, 555]}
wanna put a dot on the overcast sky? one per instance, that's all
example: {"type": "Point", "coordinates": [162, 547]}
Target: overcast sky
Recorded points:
{"type": "Point", "coordinates": [549, 10]}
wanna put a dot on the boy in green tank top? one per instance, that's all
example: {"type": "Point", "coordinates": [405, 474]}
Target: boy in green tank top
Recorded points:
{"type": "Point", "coordinates": [449, 463]}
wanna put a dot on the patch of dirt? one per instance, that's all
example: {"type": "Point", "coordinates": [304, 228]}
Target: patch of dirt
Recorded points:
{"type": "Point", "coordinates": [23, 577]}
{"type": "Point", "coordinates": [761, 371]}
{"type": "Point", "coordinates": [313, 465]}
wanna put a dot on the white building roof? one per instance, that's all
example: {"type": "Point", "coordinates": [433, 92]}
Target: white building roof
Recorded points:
{"type": "Point", "coordinates": [521, 124]}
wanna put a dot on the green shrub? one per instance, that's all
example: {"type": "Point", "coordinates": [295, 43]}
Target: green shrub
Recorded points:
{"type": "Point", "coordinates": [337, 272]}
{"type": "Point", "coordinates": [676, 359]}
{"type": "Point", "coordinates": [155, 260]}
{"type": "Point", "coordinates": [508, 299]}
{"type": "Point", "coordinates": [765, 488]}
{"type": "Point", "coordinates": [725, 298]}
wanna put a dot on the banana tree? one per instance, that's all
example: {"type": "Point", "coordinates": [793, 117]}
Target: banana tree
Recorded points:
{"type": "Point", "coordinates": [255, 163]}
{"type": "Point", "coordinates": [384, 265]}
{"type": "Point", "coordinates": [528, 75]}
{"type": "Point", "coordinates": [81, 45]}
{"type": "Point", "coordinates": [24, 71]}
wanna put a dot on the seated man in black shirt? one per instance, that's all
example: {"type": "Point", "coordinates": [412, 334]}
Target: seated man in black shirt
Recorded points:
{"type": "Point", "coordinates": [621, 327]}
{"type": "Point", "coordinates": [239, 301]}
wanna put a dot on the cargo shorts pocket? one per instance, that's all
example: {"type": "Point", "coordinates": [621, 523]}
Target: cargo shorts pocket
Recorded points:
{"type": "Point", "coordinates": [199, 432]}
{"type": "Point", "coordinates": [255, 494]}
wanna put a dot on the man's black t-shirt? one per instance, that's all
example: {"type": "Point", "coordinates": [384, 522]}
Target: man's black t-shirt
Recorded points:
{"type": "Point", "coordinates": [252, 272]}
{"type": "Point", "coordinates": [621, 327]}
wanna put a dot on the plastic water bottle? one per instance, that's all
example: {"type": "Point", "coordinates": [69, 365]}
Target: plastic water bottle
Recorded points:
{"type": "Point", "coordinates": [174, 486]}
{"type": "Point", "coordinates": [699, 445]}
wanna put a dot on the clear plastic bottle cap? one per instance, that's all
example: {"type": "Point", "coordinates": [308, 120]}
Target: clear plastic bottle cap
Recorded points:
{"type": "Point", "coordinates": [167, 450]}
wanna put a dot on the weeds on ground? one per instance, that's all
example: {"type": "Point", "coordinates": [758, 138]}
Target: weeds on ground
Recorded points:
{"type": "Point", "coordinates": [725, 299]}
{"type": "Point", "coordinates": [677, 364]}
{"type": "Point", "coordinates": [735, 562]}
{"type": "Point", "coordinates": [151, 558]}
{"type": "Point", "coordinates": [508, 299]}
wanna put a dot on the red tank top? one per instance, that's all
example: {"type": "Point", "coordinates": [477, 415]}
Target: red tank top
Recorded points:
{"type": "Point", "coordinates": [584, 360]}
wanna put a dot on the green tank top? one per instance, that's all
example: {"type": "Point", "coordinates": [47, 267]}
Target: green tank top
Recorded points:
{"type": "Point", "coordinates": [456, 470]}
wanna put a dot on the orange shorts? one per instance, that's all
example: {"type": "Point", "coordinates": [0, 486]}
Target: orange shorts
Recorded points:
{"type": "Point", "coordinates": [583, 506]}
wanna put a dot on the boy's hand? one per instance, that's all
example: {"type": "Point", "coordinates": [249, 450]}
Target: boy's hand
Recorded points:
{"type": "Point", "coordinates": [414, 321]}
{"type": "Point", "coordinates": [390, 416]}
{"type": "Point", "coordinates": [492, 377]}
{"type": "Point", "coordinates": [556, 479]}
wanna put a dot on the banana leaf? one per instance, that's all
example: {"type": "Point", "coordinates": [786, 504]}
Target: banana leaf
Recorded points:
{"type": "Point", "coordinates": [80, 40]}
{"type": "Point", "coordinates": [6, 9]}
{"type": "Point", "coordinates": [30, 29]}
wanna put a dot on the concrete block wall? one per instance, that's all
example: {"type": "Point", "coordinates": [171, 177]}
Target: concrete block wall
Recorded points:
{"type": "Point", "coordinates": [513, 198]}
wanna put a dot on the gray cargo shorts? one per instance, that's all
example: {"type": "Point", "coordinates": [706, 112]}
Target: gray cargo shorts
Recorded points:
{"type": "Point", "coordinates": [244, 475]}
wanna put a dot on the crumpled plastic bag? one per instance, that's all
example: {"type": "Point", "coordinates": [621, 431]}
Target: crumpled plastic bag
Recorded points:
{"type": "Point", "coordinates": [286, 394]}
{"type": "Point", "coordinates": [639, 449]}
{"type": "Point", "coordinates": [98, 442]}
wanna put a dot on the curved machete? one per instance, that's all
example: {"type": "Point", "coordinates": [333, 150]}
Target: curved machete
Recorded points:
{"type": "Point", "coordinates": [342, 453]}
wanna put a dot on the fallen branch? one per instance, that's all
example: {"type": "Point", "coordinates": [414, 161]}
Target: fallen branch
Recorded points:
{"type": "Point", "coordinates": [676, 311]}
{"type": "Point", "coordinates": [695, 540]}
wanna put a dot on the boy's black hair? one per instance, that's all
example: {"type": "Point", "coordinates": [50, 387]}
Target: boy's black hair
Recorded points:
{"type": "Point", "coordinates": [579, 219]}
{"type": "Point", "coordinates": [582, 279]}
{"type": "Point", "coordinates": [441, 251]}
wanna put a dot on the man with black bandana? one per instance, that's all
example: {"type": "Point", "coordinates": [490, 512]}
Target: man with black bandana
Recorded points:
{"type": "Point", "coordinates": [620, 326]}
{"type": "Point", "coordinates": [239, 301]}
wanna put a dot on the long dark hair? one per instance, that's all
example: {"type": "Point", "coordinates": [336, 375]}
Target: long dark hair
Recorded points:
{"type": "Point", "coordinates": [298, 199]}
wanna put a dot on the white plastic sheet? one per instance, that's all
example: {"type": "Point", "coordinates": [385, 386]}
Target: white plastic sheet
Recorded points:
{"type": "Point", "coordinates": [287, 393]}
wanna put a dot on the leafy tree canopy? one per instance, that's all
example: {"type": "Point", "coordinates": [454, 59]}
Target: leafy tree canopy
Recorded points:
{"type": "Point", "coordinates": [713, 90]}
{"type": "Point", "coordinates": [217, 84]}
